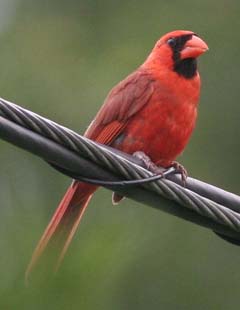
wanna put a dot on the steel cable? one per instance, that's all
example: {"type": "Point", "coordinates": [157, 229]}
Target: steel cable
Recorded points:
{"type": "Point", "coordinates": [124, 168]}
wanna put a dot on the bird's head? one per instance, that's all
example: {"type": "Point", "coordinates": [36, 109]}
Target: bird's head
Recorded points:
{"type": "Point", "coordinates": [178, 50]}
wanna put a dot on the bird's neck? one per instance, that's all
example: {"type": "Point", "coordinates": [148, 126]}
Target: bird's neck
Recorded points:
{"type": "Point", "coordinates": [176, 84]}
{"type": "Point", "coordinates": [186, 68]}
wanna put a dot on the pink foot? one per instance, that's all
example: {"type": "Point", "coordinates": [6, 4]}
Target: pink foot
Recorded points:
{"type": "Point", "coordinates": [181, 170]}
{"type": "Point", "coordinates": [149, 165]}
{"type": "Point", "coordinates": [158, 170]}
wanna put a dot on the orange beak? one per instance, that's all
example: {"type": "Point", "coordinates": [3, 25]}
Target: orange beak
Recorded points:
{"type": "Point", "coordinates": [194, 48]}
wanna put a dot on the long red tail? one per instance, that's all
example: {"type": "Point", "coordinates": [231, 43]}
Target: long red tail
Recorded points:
{"type": "Point", "coordinates": [64, 222]}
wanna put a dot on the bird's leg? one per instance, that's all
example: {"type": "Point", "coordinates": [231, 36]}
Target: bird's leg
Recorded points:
{"type": "Point", "coordinates": [148, 163]}
{"type": "Point", "coordinates": [159, 170]}
{"type": "Point", "coordinates": [181, 170]}
{"type": "Point", "coordinates": [151, 166]}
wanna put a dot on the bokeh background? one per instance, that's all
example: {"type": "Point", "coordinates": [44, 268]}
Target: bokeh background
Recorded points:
{"type": "Point", "coordinates": [59, 59]}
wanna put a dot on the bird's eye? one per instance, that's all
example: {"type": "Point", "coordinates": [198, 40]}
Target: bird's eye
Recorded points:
{"type": "Point", "coordinates": [171, 41]}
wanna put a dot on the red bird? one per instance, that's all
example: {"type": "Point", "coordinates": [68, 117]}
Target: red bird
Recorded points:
{"type": "Point", "coordinates": [153, 111]}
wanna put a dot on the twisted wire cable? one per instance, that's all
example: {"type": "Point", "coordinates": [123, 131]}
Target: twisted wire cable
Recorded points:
{"type": "Point", "coordinates": [123, 168]}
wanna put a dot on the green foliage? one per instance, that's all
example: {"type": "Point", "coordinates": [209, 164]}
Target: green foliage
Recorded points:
{"type": "Point", "coordinates": [60, 58]}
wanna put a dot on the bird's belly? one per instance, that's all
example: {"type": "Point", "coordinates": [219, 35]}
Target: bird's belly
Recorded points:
{"type": "Point", "coordinates": [158, 131]}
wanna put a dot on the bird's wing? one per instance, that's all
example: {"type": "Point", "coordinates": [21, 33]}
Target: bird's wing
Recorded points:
{"type": "Point", "coordinates": [126, 99]}
{"type": "Point", "coordinates": [123, 101]}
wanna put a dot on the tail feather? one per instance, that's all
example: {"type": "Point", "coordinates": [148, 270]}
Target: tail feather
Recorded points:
{"type": "Point", "coordinates": [72, 230]}
{"type": "Point", "coordinates": [64, 223]}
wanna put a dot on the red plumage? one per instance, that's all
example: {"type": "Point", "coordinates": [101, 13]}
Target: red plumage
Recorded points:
{"type": "Point", "coordinates": [153, 110]}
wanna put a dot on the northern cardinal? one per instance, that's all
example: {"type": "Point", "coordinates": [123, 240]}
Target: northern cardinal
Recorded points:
{"type": "Point", "coordinates": [153, 111]}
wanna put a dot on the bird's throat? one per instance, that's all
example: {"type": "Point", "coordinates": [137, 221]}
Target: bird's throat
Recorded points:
{"type": "Point", "coordinates": [186, 67]}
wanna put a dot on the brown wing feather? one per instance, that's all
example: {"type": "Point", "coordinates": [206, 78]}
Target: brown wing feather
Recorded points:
{"type": "Point", "coordinates": [109, 132]}
{"type": "Point", "coordinates": [123, 101]}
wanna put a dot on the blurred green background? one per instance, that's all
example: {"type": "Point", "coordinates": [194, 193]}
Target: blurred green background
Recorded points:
{"type": "Point", "coordinates": [60, 59]}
